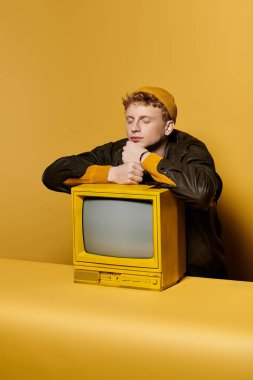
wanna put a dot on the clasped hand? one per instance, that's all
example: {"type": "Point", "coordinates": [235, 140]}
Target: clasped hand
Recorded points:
{"type": "Point", "coordinates": [131, 172]}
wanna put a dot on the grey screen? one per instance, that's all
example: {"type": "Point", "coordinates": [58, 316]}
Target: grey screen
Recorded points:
{"type": "Point", "coordinates": [118, 227]}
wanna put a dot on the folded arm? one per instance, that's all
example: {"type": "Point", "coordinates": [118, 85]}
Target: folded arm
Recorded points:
{"type": "Point", "coordinates": [193, 177]}
{"type": "Point", "coordinates": [70, 171]}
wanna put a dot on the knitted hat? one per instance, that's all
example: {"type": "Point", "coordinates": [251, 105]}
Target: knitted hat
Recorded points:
{"type": "Point", "coordinates": [165, 98]}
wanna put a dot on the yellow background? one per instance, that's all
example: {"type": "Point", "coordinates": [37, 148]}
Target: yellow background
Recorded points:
{"type": "Point", "coordinates": [65, 66]}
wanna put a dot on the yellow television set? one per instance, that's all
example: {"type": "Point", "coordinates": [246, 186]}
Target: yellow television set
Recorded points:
{"type": "Point", "coordinates": [128, 236]}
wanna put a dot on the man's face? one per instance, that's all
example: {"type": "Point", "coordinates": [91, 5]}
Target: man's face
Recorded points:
{"type": "Point", "coordinates": [145, 125]}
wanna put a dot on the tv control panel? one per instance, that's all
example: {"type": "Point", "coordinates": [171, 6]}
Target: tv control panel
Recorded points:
{"type": "Point", "coordinates": [118, 279]}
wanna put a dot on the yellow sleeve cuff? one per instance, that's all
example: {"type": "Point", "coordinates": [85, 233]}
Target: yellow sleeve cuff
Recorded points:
{"type": "Point", "coordinates": [150, 164]}
{"type": "Point", "coordinates": [94, 174]}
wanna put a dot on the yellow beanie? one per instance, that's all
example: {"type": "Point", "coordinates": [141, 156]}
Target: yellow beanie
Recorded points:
{"type": "Point", "coordinates": [164, 96]}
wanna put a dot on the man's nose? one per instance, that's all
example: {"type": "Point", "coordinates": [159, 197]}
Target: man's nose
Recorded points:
{"type": "Point", "coordinates": [136, 126]}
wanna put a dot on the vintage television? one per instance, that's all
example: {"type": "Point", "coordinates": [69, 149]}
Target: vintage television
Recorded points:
{"type": "Point", "coordinates": [127, 235]}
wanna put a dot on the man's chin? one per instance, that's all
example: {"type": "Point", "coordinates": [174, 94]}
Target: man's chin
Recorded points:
{"type": "Point", "coordinates": [140, 143]}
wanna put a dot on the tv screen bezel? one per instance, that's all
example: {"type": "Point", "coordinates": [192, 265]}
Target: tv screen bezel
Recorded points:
{"type": "Point", "coordinates": [80, 254]}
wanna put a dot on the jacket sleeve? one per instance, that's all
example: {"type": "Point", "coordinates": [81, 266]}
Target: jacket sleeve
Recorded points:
{"type": "Point", "coordinates": [74, 167]}
{"type": "Point", "coordinates": [193, 173]}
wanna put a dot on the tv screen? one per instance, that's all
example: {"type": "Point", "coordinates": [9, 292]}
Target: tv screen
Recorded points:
{"type": "Point", "coordinates": [118, 227]}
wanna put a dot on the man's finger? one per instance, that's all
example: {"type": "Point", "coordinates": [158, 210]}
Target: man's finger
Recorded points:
{"type": "Point", "coordinates": [137, 170]}
{"type": "Point", "coordinates": [135, 177]}
{"type": "Point", "coordinates": [138, 166]}
{"type": "Point", "coordinates": [138, 173]}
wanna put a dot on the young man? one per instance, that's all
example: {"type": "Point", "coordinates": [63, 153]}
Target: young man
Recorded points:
{"type": "Point", "coordinates": [156, 152]}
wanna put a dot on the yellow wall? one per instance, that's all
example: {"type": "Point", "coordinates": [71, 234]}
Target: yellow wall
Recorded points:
{"type": "Point", "coordinates": [65, 66]}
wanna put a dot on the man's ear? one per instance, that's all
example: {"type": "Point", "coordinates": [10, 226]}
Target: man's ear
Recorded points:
{"type": "Point", "coordinates": [169, 126]}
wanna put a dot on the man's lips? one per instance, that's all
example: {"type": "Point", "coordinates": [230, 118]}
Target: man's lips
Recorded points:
{"type": "Point", "coordinates": [136, 139]}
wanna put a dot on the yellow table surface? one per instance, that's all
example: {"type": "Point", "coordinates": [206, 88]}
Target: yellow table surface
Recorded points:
{"type": "Point", "coordinates": [51, 328]}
